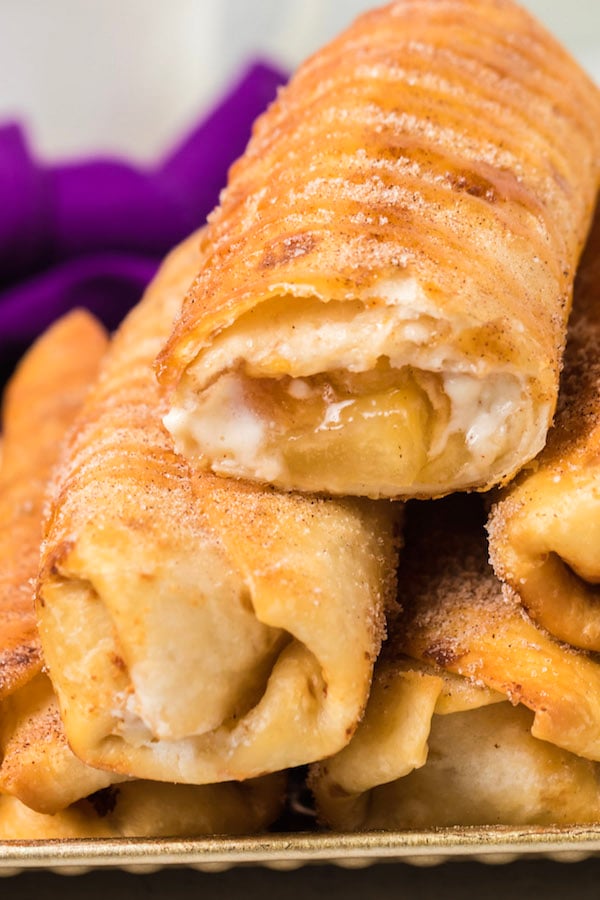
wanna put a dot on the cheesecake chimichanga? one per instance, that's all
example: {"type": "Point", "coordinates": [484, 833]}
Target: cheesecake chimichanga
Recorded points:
{"type": "Point", "coordinates": [545, 528]}
{"type": "Point", "coordinates": [39, 403]}
{"type": "Point", "coordinates": [382, 306]}
{"type": "Point", "coordinates": [45, 790]}
{"type": "Point", "coordinates": [198, 629]}
{"type": "Point", "coordinates": [434, 750]}
{"type": "Point", "coordinates": [476, 716]}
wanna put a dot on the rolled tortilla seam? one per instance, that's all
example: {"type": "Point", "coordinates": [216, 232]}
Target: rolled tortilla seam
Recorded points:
{"type": "Point", "coordinates": [198, 629]}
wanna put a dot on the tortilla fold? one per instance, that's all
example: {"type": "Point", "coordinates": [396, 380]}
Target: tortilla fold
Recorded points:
{"type": "Point", "coordinates": [195, 629]}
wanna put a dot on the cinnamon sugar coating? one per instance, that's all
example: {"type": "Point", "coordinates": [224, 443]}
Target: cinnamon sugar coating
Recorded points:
{"type": "Point", "coordinates": [40, 404]}
{"type": "Point", "coordinates": [437, 162]}
{"type": "Point", "coordinates": [427, 137]}
{"type": "Point", "coordinates": [187, 619]}
{"type": "Point", "coordinates": [544, 529]}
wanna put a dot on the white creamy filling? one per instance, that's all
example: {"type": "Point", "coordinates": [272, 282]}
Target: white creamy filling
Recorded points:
{"type": "Point", "coordinates": [485, 412]}
{"type": "Point", "coordinates": [130, 726]}
{"type": "Point", "coordinates": [221, 427]}
{"type": "Point", "coordinates": [299, 335]}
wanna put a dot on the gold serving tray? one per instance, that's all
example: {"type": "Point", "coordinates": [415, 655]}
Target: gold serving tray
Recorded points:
{"type": "Point", "coordinates": [290, 851]}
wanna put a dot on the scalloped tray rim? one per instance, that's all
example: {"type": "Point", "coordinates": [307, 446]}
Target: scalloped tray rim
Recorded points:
{"type": "Point", "coordinates": [291, 850]}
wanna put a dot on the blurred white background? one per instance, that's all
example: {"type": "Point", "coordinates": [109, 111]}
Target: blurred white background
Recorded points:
{"type": "Point", "coordinates": [130, 76]}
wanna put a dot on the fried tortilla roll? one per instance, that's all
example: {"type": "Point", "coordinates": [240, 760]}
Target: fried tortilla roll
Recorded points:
{"type": "Point", "coordinates": [460, 617]}
{"type": "Point", "coordinates": [44, 785]}
{"type": "Point", "coordinates": [49, 792]}
{"type": "Point", "coordinates": [436, 751]}
{"type": "Point", "coordinates": [38, 767]}
{"type": "Point", "coordinates": [381, 307]}
{"type": "Point", "coordinates": [197, 629]}
{"type": "Point", "coordinates": [545, 531]}
{"type": "Point", "coordinates": [152, 809]}
{"type": "Point", "coordinates": [476, 716]}
{"type": "Point", "coordinates": [39, 404]}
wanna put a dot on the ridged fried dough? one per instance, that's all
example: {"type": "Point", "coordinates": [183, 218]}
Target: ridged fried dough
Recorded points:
{"type": "Point", "coordinates": [151, 809]}
{"type": "Point", "coordinates": [545, 528]}
{"type": "Point", "coordinates": [47, 792]}
{"type": "Point", "coordinates": [425, 756]}
{"type": "Point", "coordinates": [38, 766]}
{"type": "Point", "coordinates": [476, 716]}
{"type": "Point", "coordinates": [382, 305]}
{"type": "Point", "coordinates": [39, 404]}
{"type": "Point", "coordinates": [460, 617]}
{"type": "Point", "coordinates": [196, 629]}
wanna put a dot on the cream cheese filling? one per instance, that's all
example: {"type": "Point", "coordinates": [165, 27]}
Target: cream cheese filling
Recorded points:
{"type": "Point", "coordinates": [482, 417]}
{"type": "Point", "coordinates": [401, 375]}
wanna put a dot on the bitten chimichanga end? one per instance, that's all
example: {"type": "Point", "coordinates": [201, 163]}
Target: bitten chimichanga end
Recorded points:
{"type": "Point", "coordinates": [381, 309]}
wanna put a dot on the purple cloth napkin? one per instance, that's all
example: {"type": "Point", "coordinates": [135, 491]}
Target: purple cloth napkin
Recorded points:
{"type": "Point", "coordinates": [92, 233]}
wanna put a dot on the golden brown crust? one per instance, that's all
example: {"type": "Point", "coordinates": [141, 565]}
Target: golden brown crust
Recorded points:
{"type": "Point", "coordinates": [147, 563]}
{"type": "Point", "coordinates": [457, 615]}
{"type": "Point", "coordinates": [38, 765]}
{"type": "Point", "coordinates": [545, 528]}
{"type": "Point", "coordinates": [439, 744]}
{"type": "Point", "coordinates": [477, 766]}
{"type": "Point", "coordinates": [453, 141]}
{"type": "Point", "coordinates": [44, 786]}
{"type": "Point", "coordinates": [151, 809]}
{"type": "Point", "coordinates": [40, 403]}
{"type": "Point", "coordinates": [114, 423]}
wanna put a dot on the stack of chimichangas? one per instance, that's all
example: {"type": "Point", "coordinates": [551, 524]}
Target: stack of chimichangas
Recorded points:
{"type": "Point", "coordinates": [376, 312]}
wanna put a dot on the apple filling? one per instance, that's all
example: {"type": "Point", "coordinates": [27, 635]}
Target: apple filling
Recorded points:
{"type": "Point", "coordinates": [386, 432]}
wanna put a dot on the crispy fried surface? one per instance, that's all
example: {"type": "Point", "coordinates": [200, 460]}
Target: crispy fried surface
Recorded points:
{"type": "Point", "coordinates": [47, 792]}
{"type": "Point", "coordinates": [452, 141]}
{"type": "Point", "coordinates": [151, 809]}
{"type": "Point", "coordinates": [186, 620]}
{"type": "Point", "coordinates": [439, 744]}
{"type": "Point", "coordinates": [478, 766]}
{"type": "Point", "coordinates": [38, 765]}
{"type": "Point", "coordinates": [40, 404]}
{"type": "Point", "coordinates": [457, 615]}
{"type": "Point", "coordinates": [545, 529]}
